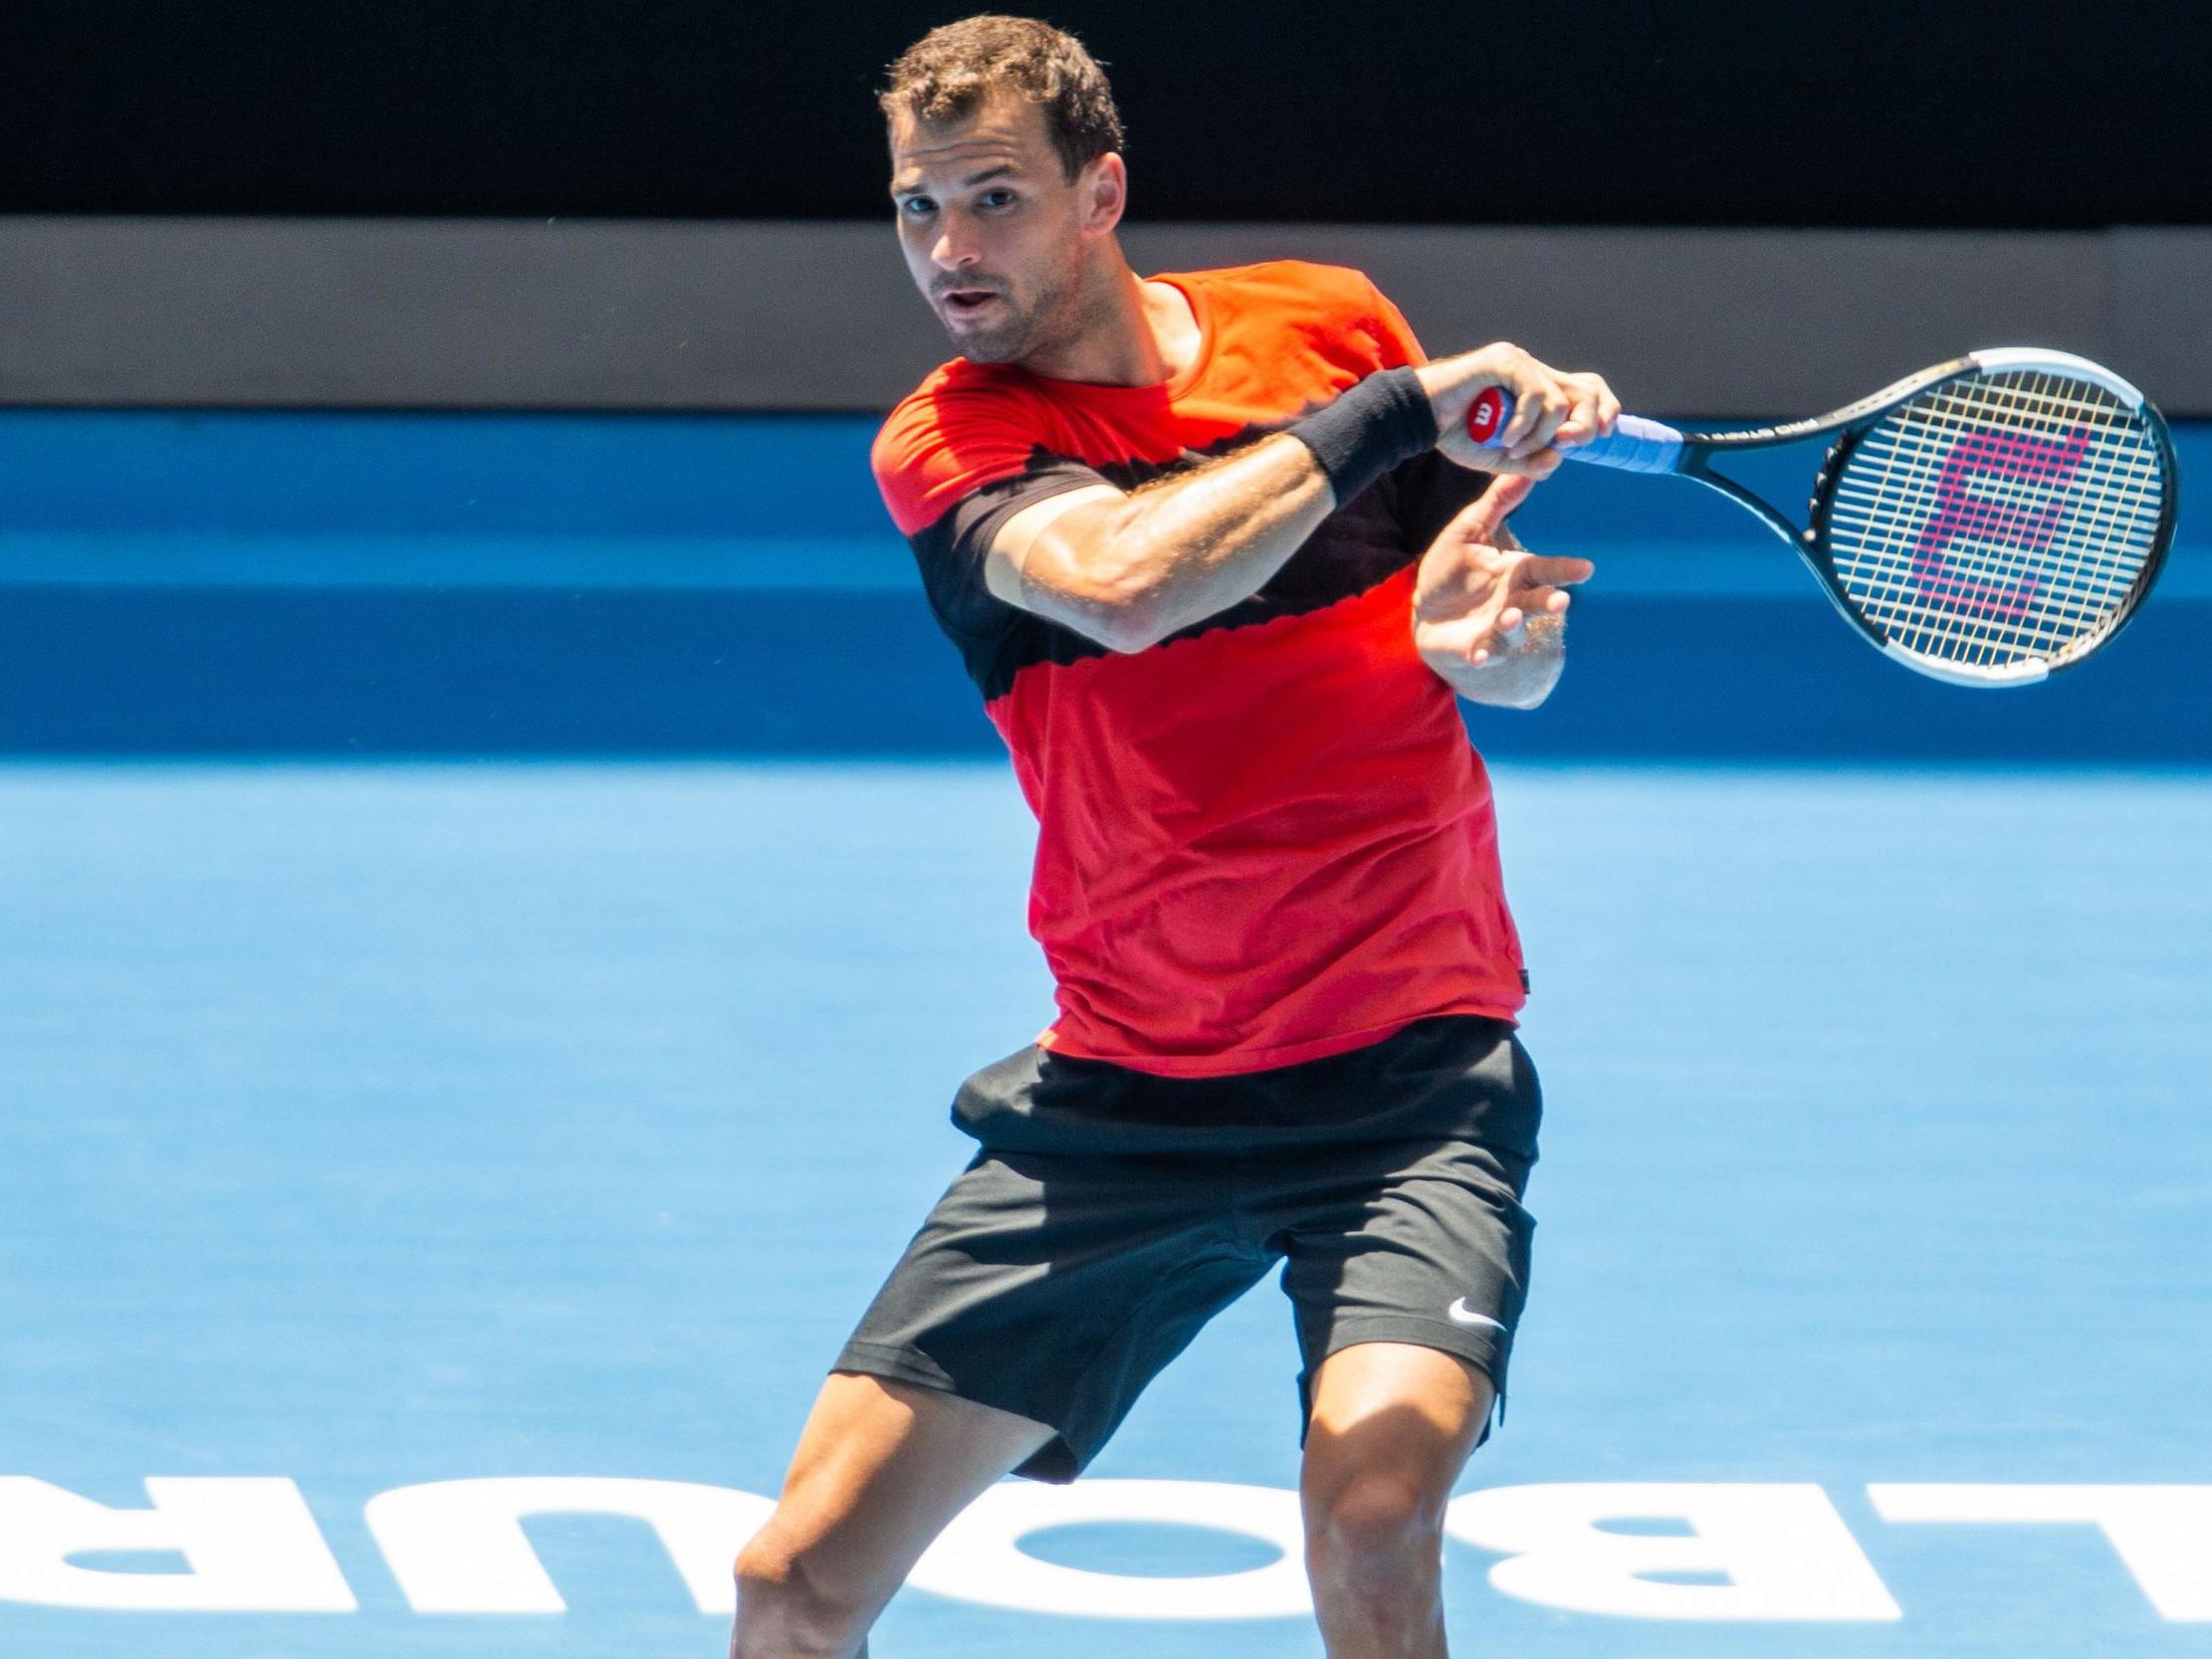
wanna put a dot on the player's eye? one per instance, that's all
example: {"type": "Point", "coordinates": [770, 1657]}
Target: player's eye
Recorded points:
{"type": "Point", "coordinates": [998, 198]}
{"type": "Point", "coordinates": [917, 207]}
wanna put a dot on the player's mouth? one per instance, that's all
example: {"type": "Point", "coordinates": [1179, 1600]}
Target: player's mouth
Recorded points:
{"type": "Point", "coordinates": [970, 302]}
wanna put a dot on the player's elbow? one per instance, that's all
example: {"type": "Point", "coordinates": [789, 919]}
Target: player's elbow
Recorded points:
{"type": "Point", "coordinates": [1121, 619]}
{"type": "Point", "coordinates": [1122, 625]}
{"type": "Point", "coordinates": [1135, 617]}
{"type": "Point", "coordinates": [1130, 634]}
{"type": "Point", "coordinates": [1117, 627]}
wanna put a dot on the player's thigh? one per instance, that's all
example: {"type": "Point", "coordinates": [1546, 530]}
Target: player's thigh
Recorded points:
{"type": "Point", "coordinates": [1055, 1287]}
{"type": "Point", "coordinates": [1392, 1426]}
{"type": "Point", "coordinates": [1425, 1244]}
{"type": "Point", "coordinates": [880, 1468]}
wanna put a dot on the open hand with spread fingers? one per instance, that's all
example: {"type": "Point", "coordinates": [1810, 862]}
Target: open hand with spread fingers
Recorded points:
{"type": "Point", "coordinates": [1489, 615]}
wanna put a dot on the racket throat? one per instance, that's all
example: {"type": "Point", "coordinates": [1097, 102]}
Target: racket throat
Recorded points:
{"type": "Point", "coordinates": [1695, 465]}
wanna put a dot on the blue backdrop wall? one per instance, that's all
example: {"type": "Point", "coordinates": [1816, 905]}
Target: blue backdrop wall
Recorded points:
{"type": "Point", "coordinates": [330, 584]}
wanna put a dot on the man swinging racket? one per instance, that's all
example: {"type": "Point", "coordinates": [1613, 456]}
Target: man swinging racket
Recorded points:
{"type": "Point", "coordinates": [1215, 550]}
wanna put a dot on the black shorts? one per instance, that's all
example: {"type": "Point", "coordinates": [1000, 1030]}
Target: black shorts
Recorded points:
{"type": "Point", "coordinates": [1111, 1213]}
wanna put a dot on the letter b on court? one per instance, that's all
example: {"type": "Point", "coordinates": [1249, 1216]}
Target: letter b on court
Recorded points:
{"type": "Point", "coordinates": [1779, 1552]}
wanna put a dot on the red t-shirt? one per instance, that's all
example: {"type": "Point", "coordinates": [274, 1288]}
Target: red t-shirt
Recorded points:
{"type": "Point", "coordinates": [1266, 838]}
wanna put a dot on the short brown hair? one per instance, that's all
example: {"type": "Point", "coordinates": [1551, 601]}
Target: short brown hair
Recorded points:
{"type": "Point", "coordinates": [947, 73]}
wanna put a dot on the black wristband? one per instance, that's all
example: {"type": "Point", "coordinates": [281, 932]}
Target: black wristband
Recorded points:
{"type": "Point", "coordinates": [1385, 419]}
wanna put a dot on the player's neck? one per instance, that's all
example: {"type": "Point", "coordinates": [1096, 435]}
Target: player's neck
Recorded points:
{"type": "Point", "coordinates": [1131, 333]}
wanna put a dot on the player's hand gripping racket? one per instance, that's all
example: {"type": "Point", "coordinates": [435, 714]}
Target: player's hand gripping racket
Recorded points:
{"type": "Point", "coordinates": [1985, 521]}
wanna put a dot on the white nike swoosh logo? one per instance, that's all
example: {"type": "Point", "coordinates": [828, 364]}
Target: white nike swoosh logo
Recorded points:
{"type": "Point", "coordinates": [1461, 1314]}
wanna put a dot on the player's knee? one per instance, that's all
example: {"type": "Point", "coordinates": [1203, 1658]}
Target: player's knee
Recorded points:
{"type": "Point", "coordinates": [1376, 1525]}
{"type": "Point", "coordinates": [785, 1604]}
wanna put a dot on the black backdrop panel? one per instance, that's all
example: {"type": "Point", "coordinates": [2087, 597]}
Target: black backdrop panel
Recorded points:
{"type": "Point", "coordinates": [1992, 113]}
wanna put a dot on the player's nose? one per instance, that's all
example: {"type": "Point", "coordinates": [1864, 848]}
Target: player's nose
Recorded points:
{"type": "Point", "coordinates": [956, 247]}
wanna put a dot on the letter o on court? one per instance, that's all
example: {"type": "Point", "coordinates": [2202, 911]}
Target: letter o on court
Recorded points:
{"type": "Point", "coordinates": [979, 1558]}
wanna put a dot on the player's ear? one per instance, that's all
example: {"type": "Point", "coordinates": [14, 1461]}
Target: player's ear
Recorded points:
{"type": "Point", "coordinates": [1102, 190]}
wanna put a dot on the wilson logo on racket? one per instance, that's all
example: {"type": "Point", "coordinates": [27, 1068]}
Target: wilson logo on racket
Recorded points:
{"type": "Point", "coordinates": [2023, 511]}
{"type": "Point", "coordinates": [1985, 522]}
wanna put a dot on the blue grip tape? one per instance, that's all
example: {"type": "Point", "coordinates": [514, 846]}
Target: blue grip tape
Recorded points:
{"type": "Point", "coordinates": [1636, 446]}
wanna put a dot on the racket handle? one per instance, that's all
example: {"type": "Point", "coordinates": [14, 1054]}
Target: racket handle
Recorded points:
{"type": "Point", "coordinates": [1636, 446]}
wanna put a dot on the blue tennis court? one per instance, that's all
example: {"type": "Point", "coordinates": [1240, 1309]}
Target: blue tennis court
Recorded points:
{"type": "Point", "coordinates": [485, 983]}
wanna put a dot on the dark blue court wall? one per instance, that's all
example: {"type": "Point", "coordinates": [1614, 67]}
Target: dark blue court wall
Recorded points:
{"type": "Point", "coordinates": [261, 584]}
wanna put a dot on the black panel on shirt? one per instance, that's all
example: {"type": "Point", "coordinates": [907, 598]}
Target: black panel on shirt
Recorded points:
{"type": "Point", "coordinates": [1367, 541]}
{"type": "Point", "coordinates": [1429, 490]}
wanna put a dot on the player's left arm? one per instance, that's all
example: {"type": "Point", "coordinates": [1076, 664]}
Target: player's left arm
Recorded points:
{"type": "Point", "coordinates": [1489, 616]}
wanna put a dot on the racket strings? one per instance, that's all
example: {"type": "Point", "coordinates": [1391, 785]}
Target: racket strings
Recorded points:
{"type": "Point", "coordinates": [1940, 600]}
{"type": "Point", "coordinates": [2068, 592]}
{"type": "Point", "coordinates": [1999, 517]}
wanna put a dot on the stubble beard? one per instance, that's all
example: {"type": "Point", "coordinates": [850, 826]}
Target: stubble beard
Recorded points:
{"type": "Point", "coordinates": [1055, 314]}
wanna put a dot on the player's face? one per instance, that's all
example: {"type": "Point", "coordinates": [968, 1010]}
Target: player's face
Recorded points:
{"type": "Point", "coordinates": [991, 228]}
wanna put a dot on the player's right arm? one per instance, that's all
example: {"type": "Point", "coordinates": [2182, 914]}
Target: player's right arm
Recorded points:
{"type": "Point", "coordinates": [1130, 569]}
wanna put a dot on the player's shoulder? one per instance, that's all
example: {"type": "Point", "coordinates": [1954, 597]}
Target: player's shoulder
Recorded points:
{"type": "Point", "coordinates": [956, 400]}
{"type": "Point", "coordinates": [964, 426]}
{"type": "Point", "coordinates": [1297, 285]}
{"type": "Point", "coordinates": [1337, 309]}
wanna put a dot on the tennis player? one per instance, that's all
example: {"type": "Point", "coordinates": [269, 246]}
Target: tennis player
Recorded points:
{"type": "Point", "coordinates": [1215, 548]}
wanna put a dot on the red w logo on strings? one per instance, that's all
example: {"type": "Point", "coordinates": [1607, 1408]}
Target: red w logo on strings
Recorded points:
{"type": "Point", "coordinates": [2030, 465]}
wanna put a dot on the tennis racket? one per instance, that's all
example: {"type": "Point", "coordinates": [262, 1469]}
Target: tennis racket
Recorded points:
{"type": "Point", "coordinates": [1985, 522]}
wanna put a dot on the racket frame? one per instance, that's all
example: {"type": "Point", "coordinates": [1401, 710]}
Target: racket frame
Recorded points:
{"type": "Point", "coordinates": [1852, 421]}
